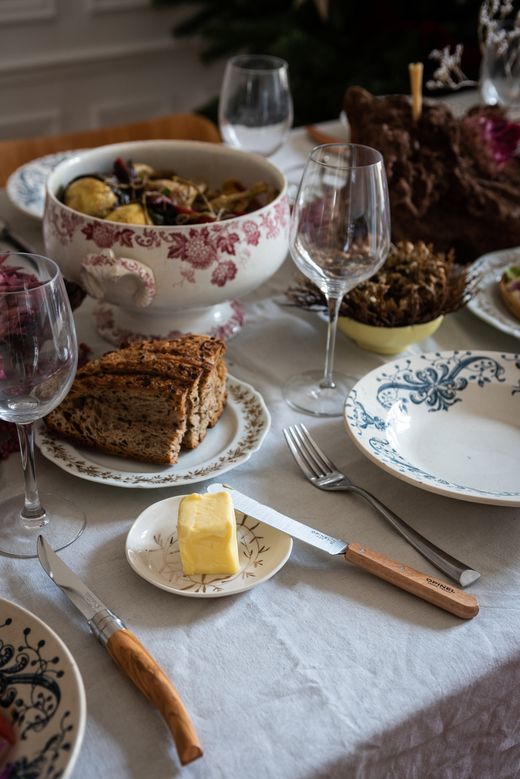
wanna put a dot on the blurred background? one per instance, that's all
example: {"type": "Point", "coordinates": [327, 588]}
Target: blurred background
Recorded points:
{"type": "Point", "coordinates": [68, 66]}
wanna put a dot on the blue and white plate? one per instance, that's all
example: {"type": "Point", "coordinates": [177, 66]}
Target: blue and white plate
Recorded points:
{"type": "Point", "coordinates": [41, 694]}
{"type": "Point", "coordinates": [26, 186]}
{"type": "Point", "coordinates": [447, 422]}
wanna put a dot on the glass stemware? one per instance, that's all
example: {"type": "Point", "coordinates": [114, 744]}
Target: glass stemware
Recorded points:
{"type": "Point", "coordinates": [255, 107]}
{"type": "Point", "coordinates": [339, 237]}
{"type": "Point", "coordinates": [500, 67]}
{"type": "Point", "coordinates": [38, 359]}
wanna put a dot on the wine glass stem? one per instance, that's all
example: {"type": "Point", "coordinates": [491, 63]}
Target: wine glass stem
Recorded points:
{"type": "Point", "coordinates": [333, 306]}
{"type": "Point", "coordinates": [33, 514]}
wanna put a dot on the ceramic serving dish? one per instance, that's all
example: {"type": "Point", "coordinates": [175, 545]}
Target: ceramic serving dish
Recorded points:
{"type": "Point", "coordinates": [387, 340]}
{"type": "Point", "coordinates": [159, 281]}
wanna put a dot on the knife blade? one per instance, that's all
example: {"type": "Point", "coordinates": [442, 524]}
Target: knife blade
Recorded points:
{"type": "Point", "coordinates": [425, 586]}
{"type": "Point", "coordinates": [126, 651]}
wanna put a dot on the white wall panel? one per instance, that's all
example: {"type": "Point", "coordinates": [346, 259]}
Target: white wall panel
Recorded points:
{"type": "Point", "coordinates": [13, 11]}
{"type": "Point", "coordinates": [89, 63]}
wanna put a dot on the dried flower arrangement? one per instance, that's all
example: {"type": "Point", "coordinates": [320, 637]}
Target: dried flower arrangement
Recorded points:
{"type": "Point", "coordinates": [499, 26]}
{"type": "Point", "coordinates": [414, 286]}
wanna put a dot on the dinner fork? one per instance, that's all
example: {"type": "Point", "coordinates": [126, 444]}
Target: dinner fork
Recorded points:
{"type": "Point", "coordinates": [322, 472]}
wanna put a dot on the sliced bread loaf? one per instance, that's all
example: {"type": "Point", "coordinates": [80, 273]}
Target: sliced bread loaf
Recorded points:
{"type": "Point", "coordinates": [147, 400]}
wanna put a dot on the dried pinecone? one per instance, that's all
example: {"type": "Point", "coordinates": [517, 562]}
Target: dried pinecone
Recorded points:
{"type": "Point", "coordinates": [414, 285]}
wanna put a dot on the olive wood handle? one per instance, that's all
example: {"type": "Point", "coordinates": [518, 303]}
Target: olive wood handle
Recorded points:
{"type": "Point", "coordinates": [427, 587]}
{"type": "Point", "coordinates": [132, 658]}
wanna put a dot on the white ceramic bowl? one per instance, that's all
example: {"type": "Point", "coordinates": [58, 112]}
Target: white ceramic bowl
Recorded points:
{"type": "Point", "coordinates": [160, 281]}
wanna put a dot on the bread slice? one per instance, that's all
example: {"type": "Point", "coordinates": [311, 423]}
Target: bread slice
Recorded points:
{"type": "Point", "coordinates": [147, 400]}
{"type": "Point", "coordinates": [204, 354]}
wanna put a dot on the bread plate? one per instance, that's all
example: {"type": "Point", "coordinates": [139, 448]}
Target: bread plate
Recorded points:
{"type": "Point", "coordinates": [152, 550]}
{"type": "Point", "coordinates": [486, 302]}
{"type": "Point", "coordinates": [239, 432]}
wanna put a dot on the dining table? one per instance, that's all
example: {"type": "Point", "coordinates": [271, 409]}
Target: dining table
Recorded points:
{"type": "Point", "coordinates": [321, 670]}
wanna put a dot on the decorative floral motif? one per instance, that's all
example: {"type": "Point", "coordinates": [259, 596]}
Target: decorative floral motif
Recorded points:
{"type": "Point", "coordinates": [252, 553]}
{"type": "Point", "coordinates": [360, 417]}
{"type": "Point", "coordinates": [440, 383]}
{"type": "Point", "coordinates": [119, 336]}
{"type": "Point", "coordinates": [202, 247]}
{"type": "Point", "coordinates": [31, 693]}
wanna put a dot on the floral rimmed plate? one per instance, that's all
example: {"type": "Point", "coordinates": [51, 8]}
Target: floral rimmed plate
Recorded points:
{"type": "Point", "coordinates": [152, 550]}
{"type": "Point", "coordinates": [486, 302]}
{"type": "Point", "coordinates": [26, 185]}
{"type": "Point", "coordinates": [42, 693]}
{"type": "Point", "coordinates": [239, 432]}
{"type": "Point", "coordinates": [447, 422]}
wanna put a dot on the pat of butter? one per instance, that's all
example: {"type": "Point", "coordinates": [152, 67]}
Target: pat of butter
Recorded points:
{"type": "Point", "coordinates": [207, 534]}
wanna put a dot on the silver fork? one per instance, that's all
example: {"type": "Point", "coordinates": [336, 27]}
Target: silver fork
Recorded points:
{"type": "Point", "coordinates": [323, 474]}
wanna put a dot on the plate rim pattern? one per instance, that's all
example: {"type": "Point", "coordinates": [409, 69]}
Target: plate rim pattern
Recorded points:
{"type": "Point", "coordinates": [438, 380]}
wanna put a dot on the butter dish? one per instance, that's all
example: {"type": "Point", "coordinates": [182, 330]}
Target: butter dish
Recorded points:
{"type": "Point", "coordinates": [152, 550]}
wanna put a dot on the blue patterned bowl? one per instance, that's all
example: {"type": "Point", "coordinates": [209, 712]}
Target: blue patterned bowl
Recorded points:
{"type": "Point", "coordinates": [42, 694]}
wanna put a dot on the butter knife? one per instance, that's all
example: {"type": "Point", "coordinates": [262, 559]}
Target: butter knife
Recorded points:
{"type": "Point", "coordinates": [127, 652]}
{"type": "Point", "coordinates": [429, 588]}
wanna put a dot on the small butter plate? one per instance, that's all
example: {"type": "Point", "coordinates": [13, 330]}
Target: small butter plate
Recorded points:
{"type": "Point", "coordinates": [152, 550]}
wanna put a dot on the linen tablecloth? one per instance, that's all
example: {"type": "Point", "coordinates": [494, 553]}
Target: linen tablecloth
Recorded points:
{"type": "Point", "coordinates": [323, 670]}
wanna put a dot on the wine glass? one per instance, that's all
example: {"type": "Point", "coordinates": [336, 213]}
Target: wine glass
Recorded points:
{"type": "Point", "coordinates": [255, 107]}
{"type": "Point", "coordinates": [339, 237]}
{"type": "Point", "coordinates": [38, 359]}
{"type": "Point", "coordinates": [500, 67]}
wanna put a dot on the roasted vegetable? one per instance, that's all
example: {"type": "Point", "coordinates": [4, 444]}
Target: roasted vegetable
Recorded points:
{"type": "Point", "coordinates": [135, 193]}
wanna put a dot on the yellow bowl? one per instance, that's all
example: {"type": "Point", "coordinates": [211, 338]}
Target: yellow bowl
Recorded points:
{"type": "Point", "coordinates": [386, 340]}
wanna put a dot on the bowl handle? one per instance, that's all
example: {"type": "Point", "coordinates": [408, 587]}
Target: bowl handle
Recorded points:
{"type": "Point", "coordinates": [104, 267]}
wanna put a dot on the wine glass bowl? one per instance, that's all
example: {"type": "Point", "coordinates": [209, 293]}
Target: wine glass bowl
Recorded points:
{"type": "Point", "coordinates": [38, 359]}
{"type": "Point", "coordinates": [500, 67]}
{"type": "Point", "coordinates": [255, 106]}
{"type": "Point", "coordinates": [339, 236]}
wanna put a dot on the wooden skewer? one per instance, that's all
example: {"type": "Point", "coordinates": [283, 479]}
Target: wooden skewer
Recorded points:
{"type": "Point", "coordinates": [319, 136]}
{"type": "Point", "coordinates": [415, 69]}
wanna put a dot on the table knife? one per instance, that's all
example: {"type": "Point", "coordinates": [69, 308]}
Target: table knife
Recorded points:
{"type": "Point", "coordinates": [127, 652]}
{"type": "Point", "coordinates": [425, 586]}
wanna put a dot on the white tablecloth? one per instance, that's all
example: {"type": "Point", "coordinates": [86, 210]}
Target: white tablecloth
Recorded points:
{"type": "Point", "coordinates": [322, 671]}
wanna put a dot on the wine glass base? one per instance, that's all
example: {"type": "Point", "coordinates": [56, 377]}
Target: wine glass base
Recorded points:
{"type": "Point", "coordinates": [65, 524]}
{"type": "Point", "coordinates": [304, 393]}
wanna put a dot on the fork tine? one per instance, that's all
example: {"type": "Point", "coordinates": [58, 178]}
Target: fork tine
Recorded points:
{"type": "Point", "coordinates": [307, 452]}
{"type": "Point", "coordinates": [319, 456]}
{"type": "Point", "coordinates": [299, 454]}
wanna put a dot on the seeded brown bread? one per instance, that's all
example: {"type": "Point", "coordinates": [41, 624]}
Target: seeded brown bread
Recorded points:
{"type": "Point", "coordinates": [206, 354]}
{"type": "Point", "coordinates": [146, 400]}
{"type": "Point", "coordinates": [143, 418]}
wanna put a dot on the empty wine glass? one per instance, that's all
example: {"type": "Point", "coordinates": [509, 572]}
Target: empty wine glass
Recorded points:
{"type": "Point", "coordinates": [500, 67]}
{"type": "Point", "coordinates": [255, 107]}
{"type": "Point", "coordinates": [339, 237]}
{"type": "Point", "coordinates": [38, 359]}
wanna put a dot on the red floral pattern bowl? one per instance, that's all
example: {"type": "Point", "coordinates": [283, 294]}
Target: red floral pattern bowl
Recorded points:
{"type": "Point", "coordinates": [160, 281]}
